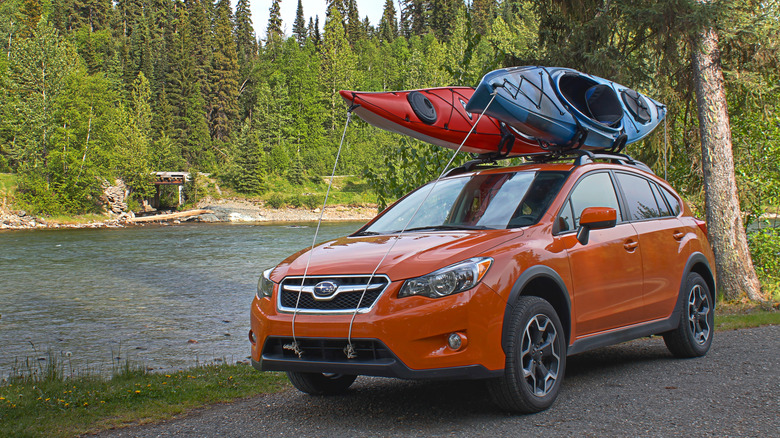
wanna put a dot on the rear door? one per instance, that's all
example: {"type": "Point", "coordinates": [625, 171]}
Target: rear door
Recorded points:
{"type": "Point", "coordinates": [607, 272]}
{"type": "Point", "coordinates": [662, 239]}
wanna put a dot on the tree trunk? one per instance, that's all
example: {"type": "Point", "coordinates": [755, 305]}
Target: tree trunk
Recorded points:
{"type": "Point", "coordinates": [736, 275]}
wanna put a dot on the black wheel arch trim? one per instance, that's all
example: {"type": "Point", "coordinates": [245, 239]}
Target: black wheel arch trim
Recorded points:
{"type": "Point", "coordinates": [529, 275]}
{"type": "Point", "coordinates": [698, 258]}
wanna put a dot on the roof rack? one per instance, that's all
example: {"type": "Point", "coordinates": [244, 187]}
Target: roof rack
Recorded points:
{"type": "Point", "coordinates": [486, 161]}
{"type": "Point", "coordinates": [586, 157]}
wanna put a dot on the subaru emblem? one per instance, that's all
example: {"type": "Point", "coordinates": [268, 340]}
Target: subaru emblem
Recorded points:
{"type": "Point", "coordinates": [325, 289]}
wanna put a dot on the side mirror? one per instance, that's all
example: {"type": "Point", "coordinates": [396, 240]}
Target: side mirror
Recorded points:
{"type": "Point", "coordinates": [595, 218]}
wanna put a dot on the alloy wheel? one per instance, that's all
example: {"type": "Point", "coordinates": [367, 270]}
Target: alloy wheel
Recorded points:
{"type": "Point", "coordinates": [699, 309]}
{"type": "Point", "coordinates": [539, 355]}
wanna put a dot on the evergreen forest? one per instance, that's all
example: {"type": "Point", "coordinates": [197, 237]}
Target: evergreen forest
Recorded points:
{"type": "Point", "coordinates": [97, 90]}
{"type": "Point", "coordinates": [94, 90]}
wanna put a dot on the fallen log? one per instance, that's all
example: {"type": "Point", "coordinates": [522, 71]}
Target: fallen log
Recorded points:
{"type": "Point", "coordinates": [170, 216]}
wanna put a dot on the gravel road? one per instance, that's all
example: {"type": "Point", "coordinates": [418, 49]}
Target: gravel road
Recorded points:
{"type": "Point", "coordinates": [632, 389]}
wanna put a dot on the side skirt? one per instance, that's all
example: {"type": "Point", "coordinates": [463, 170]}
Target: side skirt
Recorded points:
{"type": "Point", "coordinates": [623, 335]}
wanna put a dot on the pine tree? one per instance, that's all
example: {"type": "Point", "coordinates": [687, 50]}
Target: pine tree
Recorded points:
{"type": "Point", "coordinates": [248, 171]}
{"type": "Point", "coordinates": [405, 20]}
{"type": "Point", "coordinates": [223, 105]}
{"type": "Point", "coordinates": [482, 14]}
{"type": "Point", "coordinates": [130, 12]}
{"type": "Point", "coordinates": [340, 6]}
{"type": "Point", "coordinates": [199, 24]}
{"type": "Point", "coordinates": [31, 14]}
{"type": "Point", "coordinates": [190, 128]}
{"type": "Point", "coordinates": [443, 15]}
{"type": "Point", "coordinates": [338, 63]}
{"type": "Point", "coordinates": [246, 43]}
{"type": "Point", "coordinates": [315, 35]}
{"type": "Point", "coordinates": [388, 26]}
{"type": "Point", "coordinates": [299, 27]}
{"type": "Point", "coordinates": [247, 50]}
{"type": "Point", "coordinates": [417, 13]}
{"type": "Point", "coordinates": [274, 29]}
{"type": "Point", "coordinates": [354, 28]}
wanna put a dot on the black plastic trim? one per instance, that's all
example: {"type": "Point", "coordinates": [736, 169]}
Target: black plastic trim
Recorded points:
{"type": "Point", "coordinates": [526, 277]}
{"type": "Point", "coordinates": [384, 367]}
{"type": "Point", "coordinates": [616, 337]}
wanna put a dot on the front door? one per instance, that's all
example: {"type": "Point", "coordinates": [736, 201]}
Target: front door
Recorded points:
{"type": "Point", "coordinates": [607, 271]}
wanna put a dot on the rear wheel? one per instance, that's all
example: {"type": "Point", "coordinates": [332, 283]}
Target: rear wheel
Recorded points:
{"type": "Point", "coordinates": [693, 335]}
{"type": "Point", "coordinates": [535, 359]}
{"type": "Point", "coordinates": [321, 384]}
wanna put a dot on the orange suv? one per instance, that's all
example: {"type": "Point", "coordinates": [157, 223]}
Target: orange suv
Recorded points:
{"type": "Point", "coordinates": [495, 273]}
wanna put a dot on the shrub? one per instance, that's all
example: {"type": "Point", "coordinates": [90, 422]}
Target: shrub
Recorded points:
{"type": "Point", "coordinates": [765, 249]}
{"type": "Point", "coordinates": [295, 201]}
{"type": "Point", "coordinates": [275, 201]}
{"type": "Point", "coordinates": [312, 201]}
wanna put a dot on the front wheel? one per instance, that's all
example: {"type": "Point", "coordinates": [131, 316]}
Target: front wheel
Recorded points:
{"type": "Point", "coordinates": [693, 335]}
{"type": "Point", "coordinates": [535, 359]}
{"type": "Point", "coordinates": [321, 384]}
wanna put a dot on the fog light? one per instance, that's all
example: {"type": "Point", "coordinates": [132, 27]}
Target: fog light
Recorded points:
{"type": "Point", "coordinates": [252, 338]}
{"type": "Point", "coordinates": [456, 341]}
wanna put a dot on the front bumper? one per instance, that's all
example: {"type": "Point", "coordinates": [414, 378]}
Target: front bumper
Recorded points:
{"type": "Point", "coordinates": [374, 359]}
{"type": "Point", "coordinates": [405, 338]}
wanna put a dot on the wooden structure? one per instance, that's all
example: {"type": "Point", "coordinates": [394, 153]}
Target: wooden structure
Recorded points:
{"type": "Point", "coordinates": [169, 179]}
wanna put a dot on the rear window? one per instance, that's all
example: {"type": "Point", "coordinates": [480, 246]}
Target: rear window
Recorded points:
{"type": "Point", "coordinates": [674, 204]}
{"type": "Point", "coordinates": [641, 202]}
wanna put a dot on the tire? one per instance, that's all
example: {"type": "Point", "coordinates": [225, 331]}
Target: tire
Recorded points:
{"type": "Point", "coordinates": [535, 359]}
{"type": "Point", "coordinates": [693, 335]}
{"type": "Point", "coordinates": [321, 384]}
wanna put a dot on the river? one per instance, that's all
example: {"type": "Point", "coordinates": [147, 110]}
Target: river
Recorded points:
{"type": "Point", "coordinates": [161, 297]}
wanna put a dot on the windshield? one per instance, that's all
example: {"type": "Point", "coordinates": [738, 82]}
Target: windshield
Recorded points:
{"type": "Point", "coordinates": [482, 201]}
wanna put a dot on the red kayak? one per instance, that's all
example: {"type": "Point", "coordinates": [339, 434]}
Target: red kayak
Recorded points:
{"type": "Point", "coordinates": [439, 116]}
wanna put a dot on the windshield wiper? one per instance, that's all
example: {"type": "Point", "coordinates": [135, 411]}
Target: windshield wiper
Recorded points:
{"type": "Point", "coordinates": [446, 227]}
{"type": "Point", "coordinates": [366, 233]}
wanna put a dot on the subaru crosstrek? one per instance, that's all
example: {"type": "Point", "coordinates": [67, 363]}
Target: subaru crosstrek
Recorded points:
{"type": "Point", "coordinates": [495, 273]}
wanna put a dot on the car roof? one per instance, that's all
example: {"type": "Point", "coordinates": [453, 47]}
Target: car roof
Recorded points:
{"type": "Point", "coordinates": [554, 162]}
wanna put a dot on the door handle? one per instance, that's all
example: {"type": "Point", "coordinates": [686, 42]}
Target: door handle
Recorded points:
{"type": "Point", "coordinates": [630, 246]}
{"type": "Point", "coordinates": [678, 235]}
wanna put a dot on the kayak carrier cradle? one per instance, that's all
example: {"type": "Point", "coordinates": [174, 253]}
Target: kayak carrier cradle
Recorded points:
{"type": "Point", "coordinates": [581, 157]}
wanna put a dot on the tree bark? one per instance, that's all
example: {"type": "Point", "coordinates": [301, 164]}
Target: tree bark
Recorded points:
{"type": "Point", "coordinates": [736, 275]}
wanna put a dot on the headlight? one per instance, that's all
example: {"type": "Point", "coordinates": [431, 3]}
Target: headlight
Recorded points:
{"type": "Point", "coordinates": [265, 286]}
{"type": "Point", "coordinates": [447, 281]}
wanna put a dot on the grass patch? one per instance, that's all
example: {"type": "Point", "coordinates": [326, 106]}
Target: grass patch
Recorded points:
{"type": "Point", "coordinates": [739, 321]}
{"type": "Point", "coordinates": [7, 182]}
{"type": "Point", "coordinates": [346, 190]}
{"type": "Point", "coordinates": [50, 405]}
{"type": "Point", "coordinates": [79, 219]}
{"type": "Point", "coordinates": [732, 315]}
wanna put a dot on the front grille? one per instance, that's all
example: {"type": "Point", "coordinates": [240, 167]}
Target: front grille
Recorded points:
{"type": "Point", "coordinates": [351, 292]}
{"type": "Point", "coordinates": [326, 350]}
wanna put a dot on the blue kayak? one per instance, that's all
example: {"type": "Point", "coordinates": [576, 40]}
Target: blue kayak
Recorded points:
{"type": "Point", "coordinates": [564, 108]}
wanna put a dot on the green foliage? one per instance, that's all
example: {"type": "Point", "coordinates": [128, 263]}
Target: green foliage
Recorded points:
{"type": "Point", "coordinates": [214, 100]}
{"type": "Point", "coordinates": [409, 165]}
{"type": "Point", "coordinates": [765, 250]}
{"type": "Point", "coordinates": [276, 200]}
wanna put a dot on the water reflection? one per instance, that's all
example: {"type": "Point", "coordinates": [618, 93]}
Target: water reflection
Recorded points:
{"type": "Point", "coordinates": [163, 296]}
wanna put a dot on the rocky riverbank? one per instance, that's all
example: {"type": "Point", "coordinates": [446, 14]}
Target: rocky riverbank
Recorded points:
{"type": "Point", "coordinates": [234, 210]}
{"type": "Point", "coordinates": [222, 210]}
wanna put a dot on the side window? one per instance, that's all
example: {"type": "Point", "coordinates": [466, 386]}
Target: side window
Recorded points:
{"type": "Point", "coordinates": [672, 200]}
{"type": "Point", "coordinates": [594, 190]}
{"type": "Point", "coordinates": [662, 207]}
{"type": "Point", "coordinates": [639, 197]}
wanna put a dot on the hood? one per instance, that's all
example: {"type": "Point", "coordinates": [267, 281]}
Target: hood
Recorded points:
{"type": "Point", "coordinates": [412, 254]}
